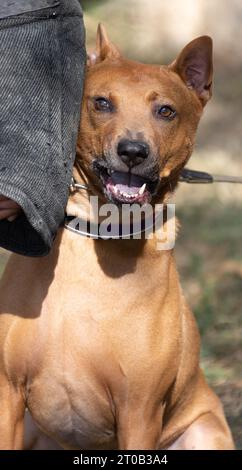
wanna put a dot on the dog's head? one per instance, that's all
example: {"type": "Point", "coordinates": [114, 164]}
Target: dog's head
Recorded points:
{"type": "Point", "coordinates": [139, 121]}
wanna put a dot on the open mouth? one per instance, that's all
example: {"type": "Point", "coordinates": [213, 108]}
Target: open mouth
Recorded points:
{"type": "Point", "coordinates": [126, 187]}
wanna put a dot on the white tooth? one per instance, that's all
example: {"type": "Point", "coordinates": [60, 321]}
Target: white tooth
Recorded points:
{"type": "Point", "coordinates": [142, 190]}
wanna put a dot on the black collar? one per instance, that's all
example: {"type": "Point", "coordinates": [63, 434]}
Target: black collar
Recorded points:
{"type": "Point", "coordinates": [93, 230]}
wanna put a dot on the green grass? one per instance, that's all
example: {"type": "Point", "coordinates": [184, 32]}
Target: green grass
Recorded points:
{"type": "Point", "coordinates": [90, 6]}
{"type": "Point", "coordinates": [3, 259]}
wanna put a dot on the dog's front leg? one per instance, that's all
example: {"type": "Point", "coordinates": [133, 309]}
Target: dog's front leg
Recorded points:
{"type": "Point", "coordinates": [12, 409]}
{"type": "Point", "coordinates": [139, 429]}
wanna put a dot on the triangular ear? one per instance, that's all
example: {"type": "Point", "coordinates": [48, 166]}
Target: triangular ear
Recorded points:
{"type": "Point", "coordinates": [195, 67]}
{"type": "Point", "coordinates": [105, 49]}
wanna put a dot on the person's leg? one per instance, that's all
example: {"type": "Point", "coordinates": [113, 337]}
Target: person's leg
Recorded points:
{"type": "Point", "coordinates": [42, 61]}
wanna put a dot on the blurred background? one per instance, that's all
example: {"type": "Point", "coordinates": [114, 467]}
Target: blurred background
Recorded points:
{"type": "Point", "coordinates": [209, 246]}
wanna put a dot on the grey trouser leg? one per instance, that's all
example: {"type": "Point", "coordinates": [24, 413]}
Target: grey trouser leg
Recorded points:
{"type": "Point", "coordinates": [42, 62]}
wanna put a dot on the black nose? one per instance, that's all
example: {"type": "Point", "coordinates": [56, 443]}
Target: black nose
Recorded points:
{"type": "Point", "coordinates": [133, 152]}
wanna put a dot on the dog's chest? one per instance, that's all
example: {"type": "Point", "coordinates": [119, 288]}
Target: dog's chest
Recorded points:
{"type": "Point", "coordinates": [73, 408]}
{"type": "Point", "coordinates": [100, 344]}
{"type": "Point", "coordinates": [85, 371]}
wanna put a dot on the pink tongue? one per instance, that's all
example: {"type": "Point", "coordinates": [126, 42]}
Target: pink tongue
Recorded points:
{"type": "Point", "coordinates": [130, 190]}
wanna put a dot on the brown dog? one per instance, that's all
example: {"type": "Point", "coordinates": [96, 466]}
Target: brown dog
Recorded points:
{"type": "Point", "coordinates": [96, 339]}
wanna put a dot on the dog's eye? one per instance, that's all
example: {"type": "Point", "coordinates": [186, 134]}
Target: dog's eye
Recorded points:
{"type": "Point", "coordinates": [103, 104]}
{"type": "Point", "coordinates": [165, 112]}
